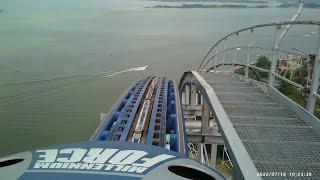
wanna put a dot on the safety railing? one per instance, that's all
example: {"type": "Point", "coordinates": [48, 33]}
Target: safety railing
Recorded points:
{"type": "Point", "coordinates": [213, 57]}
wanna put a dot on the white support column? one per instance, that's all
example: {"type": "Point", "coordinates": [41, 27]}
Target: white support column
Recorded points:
{"type": "Point", "coordinates": [315, 79]}
{"type": "Point", "coordinates": [249, 54]}
{"type": "Point", "coordinates": [193, 100]}
{"type": "Point", "coordinates": [214, 60]}
{"type": "Point", "coordinates": [197, 97]}
{"type": "Point", "coordinates": [205, 154]}
{"type": "Point", "coordinates": [274, 57]}
{"type": "Point", "coordinates": [200, 157]}
{"type": "Point", "coordinates": [205, 118]}
{"type": "Point", "coordinates": [224, 54]}
{"type": "Point", "coordinates": [187, 90]}
{"type": "Point", "coordinates": [235, 49]}
{"type": "Point", "coordinates": [236, 53]}
{"type": "Point", "coordinates": [213, 155]}
{"type": "Point", "coordinates": [309, 72]}
{"type": "Point", "coordinates": [222, 160]}
{"type": "Point", "coordinates": [183, 98]}
{"type": "Point", "coordinates": [248, 61]}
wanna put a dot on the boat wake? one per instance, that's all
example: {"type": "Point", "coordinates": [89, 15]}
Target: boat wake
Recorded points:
{"type": "Point", "coordinates": [142, 68]}
{"type": "Point", "coordinates": [17, 91]}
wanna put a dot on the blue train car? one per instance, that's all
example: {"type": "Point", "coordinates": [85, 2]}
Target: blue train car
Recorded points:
{"type": "Point", "coordinates": [148, 112]}
{"type": "Point", "coordinates": [141, 137]}
{"type": "Point", "coordinates": [98, 160]}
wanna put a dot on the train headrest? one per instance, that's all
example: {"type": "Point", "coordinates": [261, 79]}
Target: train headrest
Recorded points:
{"type": "Point", "coordinates": [103, 160]}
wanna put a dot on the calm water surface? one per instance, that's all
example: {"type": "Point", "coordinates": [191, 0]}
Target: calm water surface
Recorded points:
{"type": "Point", "coordinates": [42, 39]}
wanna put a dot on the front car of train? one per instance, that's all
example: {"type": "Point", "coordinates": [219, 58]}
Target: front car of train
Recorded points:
{"type": "Point", "coordinates": [141, 137]}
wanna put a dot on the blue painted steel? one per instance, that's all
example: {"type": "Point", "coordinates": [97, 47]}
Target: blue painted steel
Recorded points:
{"type": "Point", "coordinates": [158, 114]}
{"type": "Point", "coordinates": [103, 135]}
{"type": "Point", "coordinates": [126, 112]}
{"type": "Point", "coordinates": [172, 124]}
{"type": "Point", "coordinates": [112, 115]}
{"type": "Point", "coordinates": [99, 160]}
{"type": "Point", "coordinates": [153, 115]}
{"type": "Point", "coordinates": [125, 131]}
{"type": "Point", "coordinates": [163, 119]}
{"type": "Point", "coordinates": [164, 111]}
{"type": "Point", "coordinates": [116, 115]}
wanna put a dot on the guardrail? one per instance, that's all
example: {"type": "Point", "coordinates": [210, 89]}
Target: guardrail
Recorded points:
{"type": "Point", "coordinates": [212, 54]}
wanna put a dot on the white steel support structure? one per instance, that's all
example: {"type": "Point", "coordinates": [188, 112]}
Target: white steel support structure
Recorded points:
{"type": "Point", "coordinates": [193, 96]}
{"type": "Point", "coordinates": [235, 49]}
{"type": "Point", "coordinates": [315, 79]}
{"type": "Point", "coordinates": [205, 150]}
{"type": "Point", "coordinates": [202, 153]}
{"type": "Point", "coordinates": [248, 61]}
{"type": "Point", "coordinates": [187, 94]}
{"type": "Point", "coordinates": [224, 55]}
{"type": "Point", "coordinates": [279, 38]}
{"type": "Point", "coordinates": [226, 161]}
{"type": "Point", "coordinates": [294, 18]}
{"type": "Point", "coordinates": [213, 153]}
{"type": "Point", "coordinates": [249, 54]}
{"type": "Point", "coordinates": [274, 56]}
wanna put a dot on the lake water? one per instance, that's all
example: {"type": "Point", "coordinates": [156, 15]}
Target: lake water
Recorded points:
{"type": "Point", "coordinates": [42, 39]}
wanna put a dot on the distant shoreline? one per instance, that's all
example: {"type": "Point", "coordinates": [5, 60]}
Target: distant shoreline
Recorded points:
{"type": "Point", "coordinates": [239, 6]}
{"type": "Point", "coordinates": [205, 6]}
